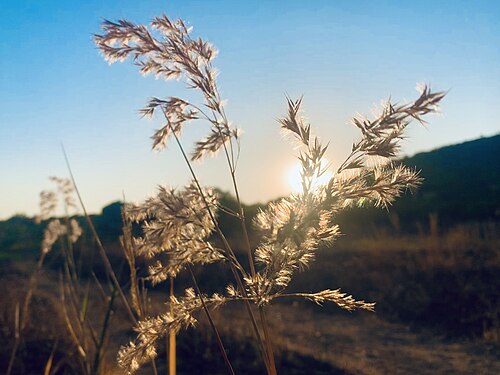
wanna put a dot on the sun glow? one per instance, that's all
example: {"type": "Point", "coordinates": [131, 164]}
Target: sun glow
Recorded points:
{"type": "Point", "coordinates": [295, 180]}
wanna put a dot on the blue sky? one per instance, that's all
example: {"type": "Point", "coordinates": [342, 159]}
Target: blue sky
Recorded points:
{"type": "Point", "coordinates": [343, 56]}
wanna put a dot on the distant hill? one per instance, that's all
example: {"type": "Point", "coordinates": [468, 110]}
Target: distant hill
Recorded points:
{"type": "Point", "coordinates": [461, 183]}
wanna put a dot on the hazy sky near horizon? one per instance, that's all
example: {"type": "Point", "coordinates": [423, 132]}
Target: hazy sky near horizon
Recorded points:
{"type": "Point", "coordinates": [343, 56]}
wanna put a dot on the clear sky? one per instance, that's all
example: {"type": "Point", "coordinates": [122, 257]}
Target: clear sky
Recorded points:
{"type": "Point", "coordinates": [343, 56]}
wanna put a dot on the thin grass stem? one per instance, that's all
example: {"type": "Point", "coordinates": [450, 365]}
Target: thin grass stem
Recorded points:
{"type": "Point", "coordinates": [102, 337]}
{"type": "Point", "coordinates": [171, 343]}
{"type": "Point", "coordinates": [233, 265]}
{"type": "Point", "coordinates": [102, 251]}
{"type": "Point", "coordinates": [212, 324]}
{"type": "Point", "coordinates": [22, 315]}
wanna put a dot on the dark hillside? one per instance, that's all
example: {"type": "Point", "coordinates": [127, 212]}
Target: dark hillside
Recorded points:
{"type": "Point", "coordinates": [461, 184]}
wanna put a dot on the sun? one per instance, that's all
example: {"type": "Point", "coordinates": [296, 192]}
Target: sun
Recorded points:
{"type": "Point", "coordinates": [295, 180]}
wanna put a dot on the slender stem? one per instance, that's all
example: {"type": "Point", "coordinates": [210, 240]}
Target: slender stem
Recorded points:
{"type": "Point", "coordinates": [100, 246]}
{"type": "Point", "coordinates": [241, 214]}
{"type": "Point", "coordinates": [127, 246]}
{"type": "Point", "coordinates": [31, 290]}
{"type": "Point", "coordinates": [69, 253]}
{"type": "Point", "coordinates": [171, 339]}
{"type": "Point", "coordinates": [102, 253]}
{"type": "Point", "coordinates": [69, 324]}
{"type": "Point", "coordinates": [102, 337]}
{"type": "Point", "coordinates": [172, 349]}
{"type": "Point", "coordinates": [271, 366]}
{"type": "Point", "coordinates": [13, 355]}
{"type": "Point", "coordinates": [22, 317]}
{"type": "Point", "coordinates": [233, 263]}
{"type": "Point", "coordinates": [244, 226]}
{"type": "Point", "coordinates": [153, 365]}
{"type": "Point", "coordinates": [214, 328]}
{"type": "Point", "coordinates": [269, 344]}
{"type": "Point", "coordinates": [230, 252]}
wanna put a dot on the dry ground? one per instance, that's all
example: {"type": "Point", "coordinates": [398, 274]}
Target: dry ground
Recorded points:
{"type": "Point", "coordinates": [364, 344]}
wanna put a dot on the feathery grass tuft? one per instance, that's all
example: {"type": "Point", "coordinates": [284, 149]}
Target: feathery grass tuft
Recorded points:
{"type": "Point", "coordinates": [178, 223]}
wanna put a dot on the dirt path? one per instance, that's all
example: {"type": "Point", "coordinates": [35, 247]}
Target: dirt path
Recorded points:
{"type": "Point", "coordinates": [364, 344]}
{"type": "Point", "coordinates": [361, 344]}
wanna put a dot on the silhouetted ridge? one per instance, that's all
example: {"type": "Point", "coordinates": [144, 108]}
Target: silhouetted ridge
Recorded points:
{"type": "Point", "coordinates": [461, 183]}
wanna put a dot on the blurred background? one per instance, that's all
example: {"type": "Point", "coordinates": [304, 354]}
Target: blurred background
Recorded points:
{"type": "Point", "coordinates": [343, 57]}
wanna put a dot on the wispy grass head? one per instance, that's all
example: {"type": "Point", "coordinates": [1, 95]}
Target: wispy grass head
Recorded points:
{"type": "Point", "coordinates": [64, 194]}
{"type": "Point", "coordinates": [168, 51]}
{"type": "Point", "coordinates": [175, 223]}
{"type": "Point", "coordinates": [178, 223]}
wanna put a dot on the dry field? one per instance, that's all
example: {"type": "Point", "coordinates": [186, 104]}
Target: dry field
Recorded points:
{"type": "Point", "coordinates": [412, 332]}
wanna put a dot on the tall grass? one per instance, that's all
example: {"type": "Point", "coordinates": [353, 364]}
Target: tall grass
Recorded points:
{"type": "Point", "coordinates": [67, 232]}
{"type": "Point", "coordinates": [180, 229]}
{"type": "Point", "coordinates": [178, 224]}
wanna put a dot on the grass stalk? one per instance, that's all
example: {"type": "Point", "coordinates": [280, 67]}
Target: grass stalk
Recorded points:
{"type": "Point", "coordinates": [234, 264]}
{"type": "Point", "coordinates": [102, 251]}
{"type": "Point", "coordinates": [172, 347]}
{"type": "Point", "coordinates": [267, 336]}
{"type": "Point", "coordinates": [102, 337]}
{"type": "Point", "coordinates": [50, 361]}
{"type": "Point", "coordinates": [212, 324]}
{"type": "Point", "coordinates": [269, 344]}
{"type": "Point", "coordinates": [292, 228]}
{"type": "Point", "coordinates": [269, 353]}
{"type": "Point", "coordinates": [22, 315]}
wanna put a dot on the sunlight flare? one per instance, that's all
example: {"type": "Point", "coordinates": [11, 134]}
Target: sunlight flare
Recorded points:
{"type": "Point", "coordinates": [294, 177]}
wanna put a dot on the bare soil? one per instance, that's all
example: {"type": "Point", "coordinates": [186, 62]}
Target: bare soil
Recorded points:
{"type": "Point", "coordinates": [362, 343]}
